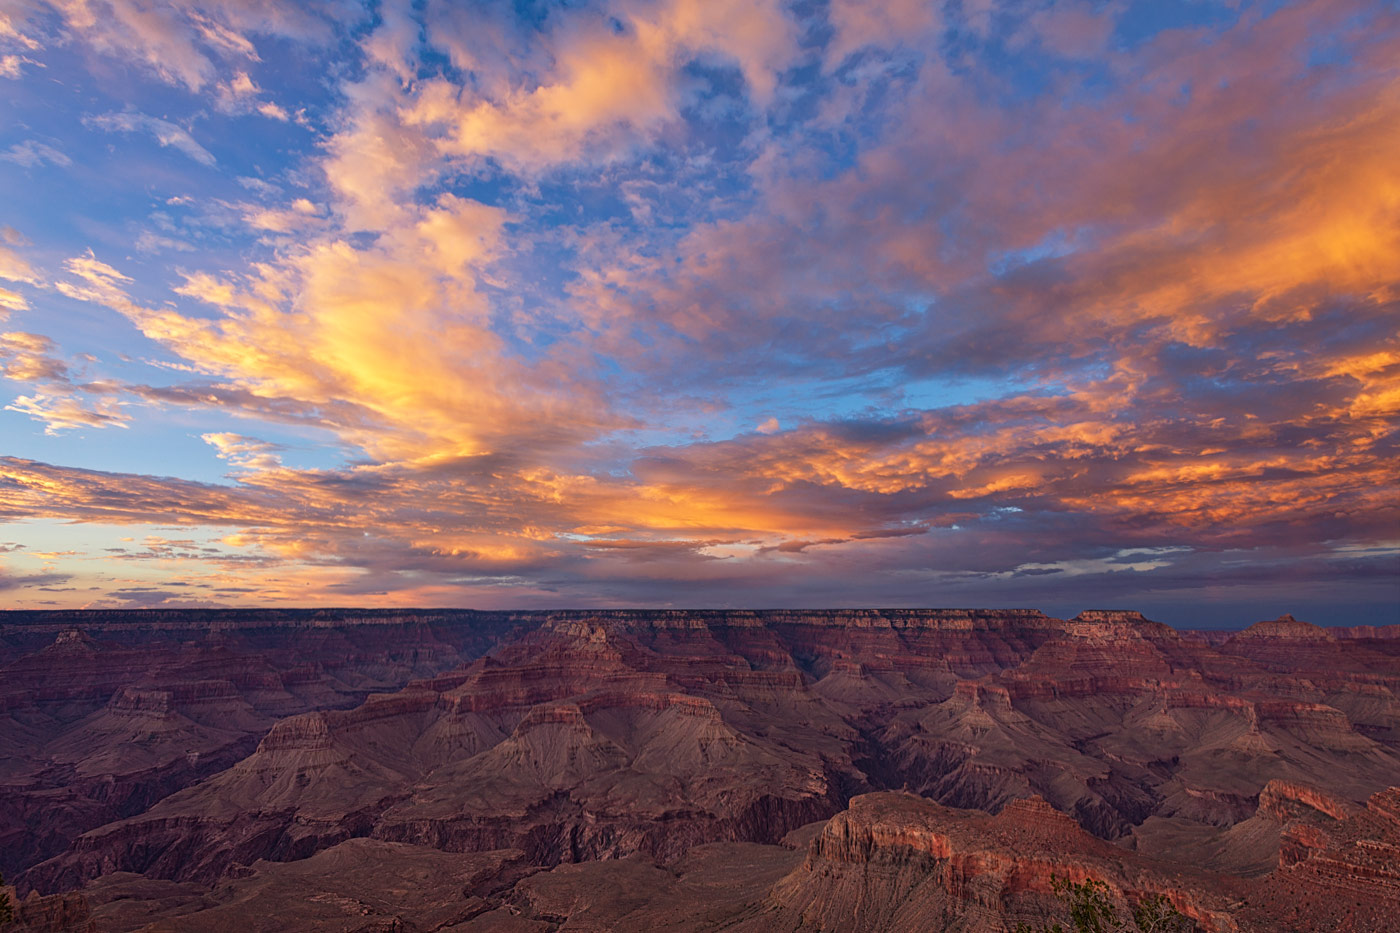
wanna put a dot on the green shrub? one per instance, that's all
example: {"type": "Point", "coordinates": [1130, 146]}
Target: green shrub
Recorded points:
{"type": "Point", "coordinates": [1091, 910]}
{"type": "Point", "coordinates": [7, 913]}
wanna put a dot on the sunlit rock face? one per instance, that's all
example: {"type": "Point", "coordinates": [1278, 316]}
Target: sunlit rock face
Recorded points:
{"type": "Point", "coordinates": [900, 769]}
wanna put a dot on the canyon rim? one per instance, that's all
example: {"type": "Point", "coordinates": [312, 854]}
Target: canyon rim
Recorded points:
{"type": "Point", "coordinates": [494, 466]}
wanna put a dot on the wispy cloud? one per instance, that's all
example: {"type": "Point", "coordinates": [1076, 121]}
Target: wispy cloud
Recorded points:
{"type": "Point", "coordinates": [164, 133]}
{"type": "Point", "coordinates": [31, 152]}
{"type": "Point", "coordinates": [191, 43]}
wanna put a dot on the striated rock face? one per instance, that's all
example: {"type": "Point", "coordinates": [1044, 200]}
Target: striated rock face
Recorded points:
{"type": "Point", "coordinates": [1286, 645]}
{"type": "Point", "coordinates": [1341, 874]}
{"type": "Point", "coordinates": [894, 861]}
{"type": "Point", "coordinates": [567, 747]}
{"type": "Point", "coordinates": [104, 713]}
{"type": "Point", "coordinates": [160, 764]}
{"type": "Point", "coordinates": [1285, 626]}
{"type": "Point", "coordinates": [1386, 632]}
{"type": "Point", "coordinates": [1285, 800]}
{"type": "Point", "coordinates": [58, 913]}
{"type": "Point", "coordinates": [899, 862]}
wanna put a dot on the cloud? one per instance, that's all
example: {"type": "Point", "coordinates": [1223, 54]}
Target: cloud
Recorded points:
{"type": "Point", "coordinates": [66, 412]}
{"type": "Point", "coordinates": [98, 281]}
{"type": "Point", "coordinates": [12, 66]}
{"type": "Point", "coordinates": [31, 153]}
{"type": "Point", "coordinates": [12, 24]}
{"type": "Point", "coordinates": [246, 453]}
{"type": "Point", "coordinates": [28, 357]}
{"type": "Point", "coordinates": [396, 331]}
{"type": "Point", "coordinates": [241, 94]}
{"type": "Point", "coordinates": [166, 134]}
{"type": "Point", "coordinates": [260, 186]}
{"type": "Point", "coordinates": [59, 401]}
{"type": "Point", "coordinates": [24, 581]}
{"type": "Point", "coordinates": [299, 217]}
{"type": "Point", "coordinates": [1164, 233]}
{"type": "Point", "coordinates": [674, 301]}
{"type": "Point", "coordinates": [12, 301]}
{"type": "Point", "coordinates": [13, 266]}
{"type": "Point", "coordinates": [861, 24]}
{"type": "Point", "coordinates": [192, 43]}
{"type": "Point", "coordinates": [149, 242]}
{"type": "Point", "coordinates": [609, 84]}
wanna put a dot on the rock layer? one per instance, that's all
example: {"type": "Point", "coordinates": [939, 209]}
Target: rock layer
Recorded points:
{"type": "Point", "coordinates": [172, 759]}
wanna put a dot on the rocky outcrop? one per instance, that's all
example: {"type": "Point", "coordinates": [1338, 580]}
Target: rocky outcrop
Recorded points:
{"type": "Point", "coordinates": [1338, 874]}
{"type": "Point", "coordinates": [192, 758]}
{"type": "Point", "coordinates": [896, 861]}
{"type": "Point", "coordinates": [102, 714]}
{"type": "Point", "coordinates": [56, 913]}
{"type": "Point", "coordinates": [1285, 626]}
{"type": "Point", "coordinates": [1287, 800]}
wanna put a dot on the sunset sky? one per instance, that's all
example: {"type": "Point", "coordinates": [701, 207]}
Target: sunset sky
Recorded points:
{"type": "Point", "coordinates": [702, 303]}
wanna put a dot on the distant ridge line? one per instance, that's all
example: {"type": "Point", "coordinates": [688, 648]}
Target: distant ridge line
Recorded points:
{"type": "Point", "coordinates": [225, 617]}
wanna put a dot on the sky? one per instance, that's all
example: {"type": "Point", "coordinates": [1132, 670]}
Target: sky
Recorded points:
{"type": "Point", "coordinates": [702, 303]}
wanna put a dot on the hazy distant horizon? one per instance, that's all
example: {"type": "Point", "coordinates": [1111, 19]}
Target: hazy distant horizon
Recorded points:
{"type": "Point", "coordinates": [1186, 619]}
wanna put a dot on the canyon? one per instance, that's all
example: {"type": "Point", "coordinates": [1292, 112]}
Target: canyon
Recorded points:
{"type": "Point", "coordinates": [417, 770]}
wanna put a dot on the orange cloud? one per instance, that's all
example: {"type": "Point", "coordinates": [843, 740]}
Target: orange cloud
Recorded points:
{"type": "Point", "coordinates": [607, 85]}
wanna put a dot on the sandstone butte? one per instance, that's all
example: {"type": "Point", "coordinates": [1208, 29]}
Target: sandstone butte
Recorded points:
{"type": "Point", "coordinates": [355, 770]}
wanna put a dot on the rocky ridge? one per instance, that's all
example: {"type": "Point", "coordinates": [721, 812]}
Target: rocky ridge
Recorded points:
{"type": "Point", "coordinates": [651, 739]}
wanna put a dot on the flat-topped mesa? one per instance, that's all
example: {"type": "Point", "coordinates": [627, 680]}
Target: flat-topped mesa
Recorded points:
{"type": "Point", "coordinates": [175, 696]}
{"type": "Point", "coordinates": [634, 620]}
{"type": "Point", "coordinates": [1110, 623]}
{"type": "Point", "coordinates": [951, 620]}
{"type": "Point", "coordinates": [71, 641]}
{"type": "Point", "coordinates": [142, 704]}
{"type": "Point", "coordinates": [1388, 632]}
{"type": "Point", "coordinates": [1130, 616]}
{"type": "Point", "coordinates": [872, 824]}
{"type": "Point", "coordinates": [888, 821]}
{"type": "Point", "coordinates": [580, 622]}
{"type": "Point", "coordinates": [969, 642]}
{"type": "Point", "coordinates": [658, 619]}
{"type": "Point", "coordinates": [1285, 626]}
{"type": "Point", "coordinates": [212, 624]}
